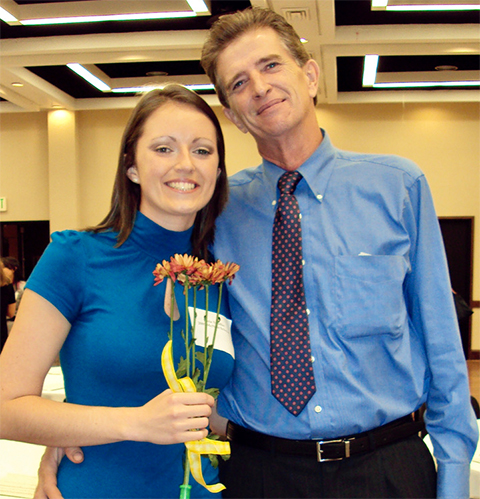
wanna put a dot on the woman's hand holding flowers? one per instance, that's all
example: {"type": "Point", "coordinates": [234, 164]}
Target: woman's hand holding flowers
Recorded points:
{"type": "Point", "coordinates": [172, 418]}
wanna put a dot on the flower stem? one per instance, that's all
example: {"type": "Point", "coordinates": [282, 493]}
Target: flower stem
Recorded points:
{"type": "Point", "coordinates": [193, 327]}
{"type": "Point", "coordinates": [217, 320]}
{"type": "Point", "coordinates": [172, 308]}
{"type": "Point", "coordinates": [185, 491]}
{"type": "Point", "coordinates": [185, 487]}
{"type": "Point", "coordinates": [205, 345]}
{"type": "Point", "coordinates": [187, 342]}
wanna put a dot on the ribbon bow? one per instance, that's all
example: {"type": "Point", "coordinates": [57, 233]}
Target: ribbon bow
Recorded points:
{"type": "Point", "coordinates": [195, 448]}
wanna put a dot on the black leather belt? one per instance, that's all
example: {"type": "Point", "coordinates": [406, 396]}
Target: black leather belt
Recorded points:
{"type": "Point", "coordinates": [328, 450]}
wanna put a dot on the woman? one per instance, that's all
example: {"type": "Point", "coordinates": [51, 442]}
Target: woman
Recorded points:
{"type": "Point", "coordinates": [108, 321]}
{"type": "Point", "coordinates": [7, 301]}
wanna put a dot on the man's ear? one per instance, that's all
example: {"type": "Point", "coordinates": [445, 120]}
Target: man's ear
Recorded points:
{"type": "Point", "coordinates": [235, 119]}
{"type": "Point", "coordinates": [312, 72]}
{"type": "Point", "coordinates": [132, 174]}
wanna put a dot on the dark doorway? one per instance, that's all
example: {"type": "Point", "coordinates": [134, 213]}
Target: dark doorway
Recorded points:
{"type": "Point", "coordinates": [458, 238]}
{"type": "Point", "coordinates": [26, 241]}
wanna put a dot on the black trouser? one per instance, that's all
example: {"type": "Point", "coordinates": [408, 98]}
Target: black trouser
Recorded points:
{"type": "Point", "coordinates": [404, 469]}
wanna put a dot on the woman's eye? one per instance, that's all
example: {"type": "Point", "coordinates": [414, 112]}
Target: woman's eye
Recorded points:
{"type": "Point", "coordinates": [203, 152]}
{"type": "Point", "coordinates": [162, 149]}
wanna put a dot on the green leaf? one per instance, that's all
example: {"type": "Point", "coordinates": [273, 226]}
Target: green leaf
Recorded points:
{"type": "Point", "coordinates": [200, 356]}
{"type": "Point", "coordinates": [182, 368]}
{"type": "Point", "coordinates": [196, 375]}
{"type": "Point", "coordinates": [214, 392]}
{"type": "Point", "coordinates": [213, 460]}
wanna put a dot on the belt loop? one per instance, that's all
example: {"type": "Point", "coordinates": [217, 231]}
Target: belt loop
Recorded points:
{"type": "Point", "coordinates": [371, 441]}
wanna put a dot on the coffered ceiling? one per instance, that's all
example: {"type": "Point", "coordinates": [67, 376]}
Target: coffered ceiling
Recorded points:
{"type": "Point", "coordinates": [415, 47]}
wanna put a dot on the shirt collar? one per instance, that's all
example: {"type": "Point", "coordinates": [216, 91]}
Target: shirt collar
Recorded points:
{"type": "Point", "coordinates": [155, 240]}
{"type": "Point", "coordinates": [316, 170]}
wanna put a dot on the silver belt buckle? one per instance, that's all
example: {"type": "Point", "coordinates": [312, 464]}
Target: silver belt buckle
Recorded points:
{"type": "Point", "coordinates": [319, 450]}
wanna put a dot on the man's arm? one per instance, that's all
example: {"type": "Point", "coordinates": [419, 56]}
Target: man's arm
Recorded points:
{"type": "Point", "coordinates": [449, 417]}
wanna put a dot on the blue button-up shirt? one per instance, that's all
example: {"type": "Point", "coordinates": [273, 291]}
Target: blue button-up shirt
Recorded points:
{"type": "Point", "coordinates": [384, 333]}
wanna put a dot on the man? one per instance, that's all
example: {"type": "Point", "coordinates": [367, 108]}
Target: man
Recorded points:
{"type": "Point", "coordinates": [383, 332]}
{"type": "Point", "coordinates": [383, 337]}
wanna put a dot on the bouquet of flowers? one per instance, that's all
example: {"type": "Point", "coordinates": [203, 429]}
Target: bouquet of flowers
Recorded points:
{"type": "Point", "coordinates": [195, 275]}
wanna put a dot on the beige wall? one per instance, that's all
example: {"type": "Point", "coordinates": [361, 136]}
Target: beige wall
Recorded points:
{"type": "Point", "coordinates": [443, 139]}
{"type": "Point", "coordinates": [24, 166]}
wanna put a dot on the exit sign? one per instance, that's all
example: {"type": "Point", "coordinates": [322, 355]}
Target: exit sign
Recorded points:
{"type": "Point", "coordinates": [3, 204]}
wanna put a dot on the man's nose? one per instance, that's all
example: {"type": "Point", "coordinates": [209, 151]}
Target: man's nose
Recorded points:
{"type": "Point", "coordinates": [260, 85]}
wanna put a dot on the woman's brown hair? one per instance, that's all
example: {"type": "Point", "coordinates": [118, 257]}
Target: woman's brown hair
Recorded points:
{"type": "Point", "coordinates": [126, 194]}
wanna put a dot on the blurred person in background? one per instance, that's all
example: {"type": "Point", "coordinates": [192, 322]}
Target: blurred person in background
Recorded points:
{"type": "Point", "coordinates": [7, 302]}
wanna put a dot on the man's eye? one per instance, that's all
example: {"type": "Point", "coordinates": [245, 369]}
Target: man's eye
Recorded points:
{"type": "Point", "coordinates": [272, 65]}
{"type": "Point", "coordinates": [237, 84]}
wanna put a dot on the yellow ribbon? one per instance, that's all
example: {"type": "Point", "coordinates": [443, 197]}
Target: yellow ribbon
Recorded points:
{"type": "Point", "coordinates": [195, 448]}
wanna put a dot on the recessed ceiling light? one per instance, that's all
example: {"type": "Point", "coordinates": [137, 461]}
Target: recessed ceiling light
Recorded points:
{"type": "Point", "coordinates": [446, 67]}
{"type": "Point", "coordinates": [113, 17]}
{"type": "Point", "coordinates": [17, 84]}
{"type": "Point", "coordinates": [6, 16]}
{"type": "Point", "coordinates": [370, 70]}
{"type": "Point", "coordinates": [426, 84]}
{"type": "Point", "coordinates": [156, 73]}
{"type": "Point", "coordinates": [147, 88]}
{"type": "Point", "coordinates": [91, 78]}
{"type": "Point", "coordinates": [396, 5]}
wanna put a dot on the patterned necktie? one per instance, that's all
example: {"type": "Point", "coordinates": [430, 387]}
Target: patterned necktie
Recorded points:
{"type": "Point", "coordinates": [293, 383]}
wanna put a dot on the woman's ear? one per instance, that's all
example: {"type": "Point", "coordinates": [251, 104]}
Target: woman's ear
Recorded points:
{"type": "Point", "coordinates": [132, 174]}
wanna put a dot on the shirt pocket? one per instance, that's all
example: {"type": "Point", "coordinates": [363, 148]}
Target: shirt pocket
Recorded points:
{"type": "Point", "coordinates": [369, 295]}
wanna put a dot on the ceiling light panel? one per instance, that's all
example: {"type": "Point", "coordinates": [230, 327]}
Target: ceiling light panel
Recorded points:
{"type": "Point", "coordinates": [425, 5]}
{"type": "Point", "coordinates": [99, 11]}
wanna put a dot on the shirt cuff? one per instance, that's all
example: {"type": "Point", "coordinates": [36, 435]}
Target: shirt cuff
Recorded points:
{"type": "Point", "coordinates": [453, 481]}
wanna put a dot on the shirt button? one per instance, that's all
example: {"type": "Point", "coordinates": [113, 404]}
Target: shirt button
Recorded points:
{"type": "Point", "coordinates": [300, 216]}
{"type": "Point", "coordinates": [312, 358]}
{"type": "Point", "coordinates": [303, 262]}
{"type": "Point", "coordinates": [319, 197]}
{"type": "Point", "coordinates": [274, 202]}
{"type": "Point", "coordinates": [308, 311]}
{"type": "Point", "coordinates": [318, 408]}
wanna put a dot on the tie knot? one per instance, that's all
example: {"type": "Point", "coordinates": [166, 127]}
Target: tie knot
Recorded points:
{"type": "Point", "coordinates": [288, 182]}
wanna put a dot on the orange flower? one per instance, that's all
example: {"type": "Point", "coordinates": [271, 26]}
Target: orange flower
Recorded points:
{"type": "Point", "coordinates": [224, 272]}
{"type": "Point", "coordinates": [162, 271]}
{"type": "Point", "coordinates": [185, 264]}
{"type": "Point", "coordinates": [182, 268]}
{"type": "Point", "coordinates": [191, 271]}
